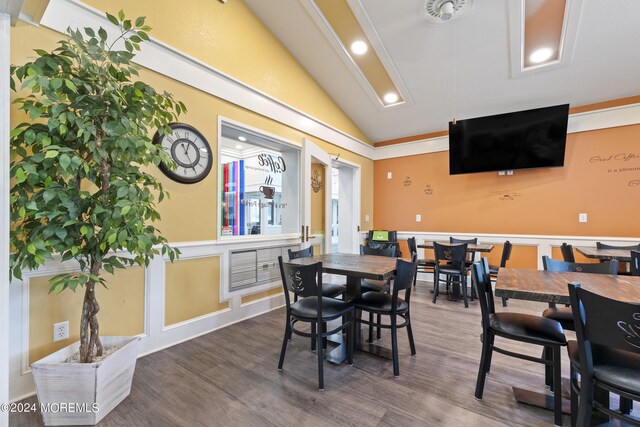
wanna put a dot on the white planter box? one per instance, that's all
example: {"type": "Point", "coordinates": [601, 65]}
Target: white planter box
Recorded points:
{"type": "Point", "coordinates": [84, 393]}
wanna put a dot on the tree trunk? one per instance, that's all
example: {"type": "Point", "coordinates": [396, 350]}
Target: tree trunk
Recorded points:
{"type": "Point", "coordinates": [90, 344]}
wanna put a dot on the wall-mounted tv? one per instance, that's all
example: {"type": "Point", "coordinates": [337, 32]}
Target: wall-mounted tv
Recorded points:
{"type": "Point", "coordinates": [519, 140]}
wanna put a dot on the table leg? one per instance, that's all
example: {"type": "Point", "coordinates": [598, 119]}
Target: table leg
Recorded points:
{"type": "Point", "coordinates": [339, 354]}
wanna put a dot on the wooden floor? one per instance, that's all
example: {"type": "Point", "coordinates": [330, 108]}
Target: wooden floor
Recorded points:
{"type": "Point", "coordinates": [230, 378]}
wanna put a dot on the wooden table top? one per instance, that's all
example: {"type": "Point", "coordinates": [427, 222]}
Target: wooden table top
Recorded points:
{"type": "Point", "coordinates": [623, 255]}
{"type": "Point", "coordinates": [353, 265]}
{"type": "Point", "coordinates": [551, 286]}
{"type": "Point", "coordinates": [479, 247]}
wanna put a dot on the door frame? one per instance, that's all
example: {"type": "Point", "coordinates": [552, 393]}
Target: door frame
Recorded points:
{"type": "Point", "coordinates": [349, 195]}
{"type": "Point", "coordinates": [312, 151]}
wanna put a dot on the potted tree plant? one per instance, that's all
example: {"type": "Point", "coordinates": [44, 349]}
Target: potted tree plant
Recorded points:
{"type": "Point", "coordinates": [80, 192]}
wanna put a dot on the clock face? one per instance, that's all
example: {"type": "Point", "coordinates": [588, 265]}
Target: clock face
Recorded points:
{"type": "Point", "coordinates": [189, 150]}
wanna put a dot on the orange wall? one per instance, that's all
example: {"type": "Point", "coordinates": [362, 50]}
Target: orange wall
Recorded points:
{"type": "Point", "coordinates": [541, 201]}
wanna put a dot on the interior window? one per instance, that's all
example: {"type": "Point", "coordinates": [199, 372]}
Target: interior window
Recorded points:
{"type": "Point", "coordinates": [259, 178]}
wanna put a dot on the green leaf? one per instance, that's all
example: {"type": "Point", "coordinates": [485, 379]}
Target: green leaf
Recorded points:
{"type": "Point", "coordinates": [122, 192]}
{"type": "Point", "coordinates": [112, 19]}
{"type": "Point", "coordinates": [90, 31]}
{"type": "Point", "coordinates": [65, 161]}
{"type": "Point", "coordinates": [121, 14]}
{"type": "Point", "coordinates": [20, 176]}
{"type": "Point", "coordinates": [103, 34]}
{"type": "Point", "coordinates": [51, 154]}
{"type": "Point", "coordinates": [126, 210]}
{"type": "Point", "coordinates": [61, 233]}
{"type": "Point", "coordinates": [72, 87]}
{"type": "Point", "coordinates": [84, 230]}
{"type": "Point", "coordinates": [31, 249]}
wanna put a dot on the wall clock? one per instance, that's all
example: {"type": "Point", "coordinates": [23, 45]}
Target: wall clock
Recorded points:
{"type": "Point", "coordinates": [189, 149]}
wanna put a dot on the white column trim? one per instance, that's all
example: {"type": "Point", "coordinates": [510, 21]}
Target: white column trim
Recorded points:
{"type": "Point", "coordinates": [4, 214]}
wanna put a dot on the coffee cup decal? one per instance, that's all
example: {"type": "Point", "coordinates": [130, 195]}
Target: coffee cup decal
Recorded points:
{"type": "Point", "coordinates": [266, 189]}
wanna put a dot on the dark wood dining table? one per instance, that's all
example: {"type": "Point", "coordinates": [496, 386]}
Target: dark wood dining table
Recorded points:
{"type": "Point", "coordinates": [622, 255]}
{"type": "Point", "coordinates": [355, 267]}
{"type": "Point", "coordinates": [551, 286]}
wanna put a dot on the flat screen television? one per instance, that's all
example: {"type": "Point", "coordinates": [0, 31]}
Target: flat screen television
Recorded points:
{"type": "Point", "coordinates": [519, 140]}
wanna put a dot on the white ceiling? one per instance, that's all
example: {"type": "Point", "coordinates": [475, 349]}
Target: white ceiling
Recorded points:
{"type": "Point", "coordinates": [462, 68]}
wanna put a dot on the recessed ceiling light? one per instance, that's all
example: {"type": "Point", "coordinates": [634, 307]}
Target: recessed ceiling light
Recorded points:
{"type": "Point", "coordinates": [541, 55]}
{"type": "Point", "coordinates": [359, 47]}
{"type": "Point", "coordinates": [242, 138]}
{"type": "Point", "coordinates": [239, 146]}
{"type": "Point", "coordinates": [390, 97]}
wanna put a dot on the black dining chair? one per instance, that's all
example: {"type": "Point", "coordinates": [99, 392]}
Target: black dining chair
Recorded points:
{"type": "Point", "coordinates": [635, 263]}
{"type": "Point", "coordinates": [331, 290]}
{"type": "Point", "coordinates": [372, 285]}
{"type": "Point", "coordinates": [567, 253]}
{"type": "Point", "coordinates": [518, 327]}
{"type": "Point", "coordinates": [606, 355]}
{"type": "Point", "coordinates": [600, 245]}
{"type": "Point", "coordinates": [493, 269]}
{"type": "Point", "coordinates": [313, 308]}
{"type": "Point", "coordinates": [471, 255]}
{"type": "Point", "coordinates": [424, 265]}
{"type": "Point", "coordinates": [563, 314]}
{"type": "Point", "coordinates": [450, 261]}
{"type": "Point", "coordinates": [392, 305]}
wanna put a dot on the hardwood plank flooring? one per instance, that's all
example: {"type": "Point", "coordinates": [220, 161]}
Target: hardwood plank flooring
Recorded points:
{"type": "Point", "coordinates": [230, 378]}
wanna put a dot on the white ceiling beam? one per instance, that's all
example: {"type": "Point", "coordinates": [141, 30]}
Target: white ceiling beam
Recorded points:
{"type": "Point", "coordinates": [11, 8]}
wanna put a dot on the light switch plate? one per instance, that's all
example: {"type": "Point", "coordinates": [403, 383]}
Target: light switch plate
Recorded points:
{"type": "Point", "coordinates": [366, 218]}
{"type": "Point", "coordinates": [501, 173]}
{"type": "Point", "coordinates": [509, 173]}
{"type": "Point", "coordinates": [389, 175]}
{"type": "Point", "coordinates": [582, 217]}
{"type": "Point", "coordinates": [418, 218]}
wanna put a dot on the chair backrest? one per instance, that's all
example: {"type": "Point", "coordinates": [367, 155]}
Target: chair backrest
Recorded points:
{"type": "Point", "coordinates": [610, 267]}
{"type": "Point", "coordinates": [302, 253]}
{"type": "Point", "coordinates": [481, 279]}
{"type": "Point", "coordinates": [506, 253]}
{"type": "Point", "coordinates": [603, 322]}
{"type": "Point", "coordinates": [471, 255]}
{"type": "Point", "coordinates": [388, 252]}
{"type": "Point", "coordinates": [627, 248]}
{"type": "Point", "coordinates": [567, 253]}
{"type": "Point", "coordinates": [302, 280]}
{"type": "Point", "coordinates": [366, 250]}
{"type": "Point", "coordinates": [635, 263]}
{"type": "Point", "coordinates": [454, 254]}
{"type": "Point", "coordinates": [413, 248]}
{"type": "Point", "coordinates": [404, 278]}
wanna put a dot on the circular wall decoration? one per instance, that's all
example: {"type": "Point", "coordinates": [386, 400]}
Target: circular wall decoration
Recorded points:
{"type": "Point", "coordinates": [190, 151]}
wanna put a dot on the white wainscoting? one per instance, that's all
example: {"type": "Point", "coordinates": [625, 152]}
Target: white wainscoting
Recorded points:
{"type": "Point", "coordinates": [156, 335]}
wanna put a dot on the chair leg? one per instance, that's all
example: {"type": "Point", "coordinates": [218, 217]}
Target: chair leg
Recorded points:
{"type": "Point", "coordinates": [313, 336]}
{"type": "Point", "coordinates": [394, 345]}
{"type": "Point", "coordinates": [370, 327]}
{"type": "Point", "coordinates": [585, 402]}
{"type": "Point", "coordinates": [410, 335]}
{"type": "Point", "coordinates": [285, 340]}
{"type": "Point", "coordinates": [485, 360]}
{"type": "Point", "coordinates": [463, 283]}
{"type": "Point", "coordinates": [324, 337]}
{"type": "Point", "coordinates": [492, 339]}
{"type": "Point", "coordinates": [573, 375]}
{"type": "Point", "coordinates": [319, 338]}
{"type": "Point", "coordinates": [504, 301]}
{"type": "Point", "coordinates": [436, 286]}
{"type": "Point", "coordinates": [351, 339]}
{"type": "Point", "coordinates": [548, 369]}
{"type": "Point", "coordinates": [557, 387]}
{"type": "Point", "coordinates": [378, 329]}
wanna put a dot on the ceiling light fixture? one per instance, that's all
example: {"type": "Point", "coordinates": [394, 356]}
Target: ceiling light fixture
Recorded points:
{"type": "Point", "coordinates": [446, 11]}
{"type": "Point", "coordinates": [359, 47]}
{"type": "Point", "coordinates": [390, 97]}
{"type": "Point", "coordinates": [440, 11]}
{"type": "Point", "coordinates": [242, 138]}
{"type": "Point", "coordinates": [541, 55]}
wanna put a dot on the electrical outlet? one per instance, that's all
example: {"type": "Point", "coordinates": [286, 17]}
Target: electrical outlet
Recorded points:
{"type": "Point", "coordinates": [60, 331]}
{"type": "Point", "coordinates": [389, 175]}
{"type": "Point", "coordinates": [509, 173]}
{"type": "Point", "coordinates": [418, 218]}
{"type": "Point", "coordinates": [366, 218]}
{"type": "Point", "coordinates": [501, 173]}
{"type": "Point", "coordinates": [582, 217]}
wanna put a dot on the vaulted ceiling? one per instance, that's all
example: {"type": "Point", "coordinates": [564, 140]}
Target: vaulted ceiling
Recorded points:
{"type": "Point", "coordinates": [470, 66]}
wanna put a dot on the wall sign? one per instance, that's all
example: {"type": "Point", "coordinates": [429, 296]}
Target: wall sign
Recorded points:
{"type": "Point", "coordinates": [407, 181]}
{"type": "Point", "coordinates": [428, 190]}
{"type": "Point", "coordinates": [316, 181]}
